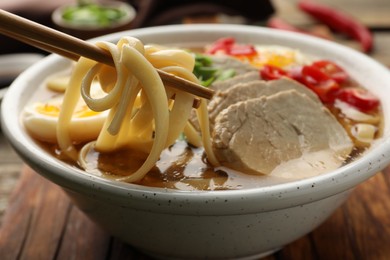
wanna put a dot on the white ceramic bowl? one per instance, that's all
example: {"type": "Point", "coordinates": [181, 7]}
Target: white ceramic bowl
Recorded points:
{"type": "Point", "coordinates": [218, 224]}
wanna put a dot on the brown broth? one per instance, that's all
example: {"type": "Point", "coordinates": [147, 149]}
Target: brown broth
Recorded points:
{"type": "Point", "coordinates": [180, 166]}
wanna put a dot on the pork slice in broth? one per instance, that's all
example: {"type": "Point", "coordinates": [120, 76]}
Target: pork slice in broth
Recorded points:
{"type": "Point", "coordinates": [261, 134]}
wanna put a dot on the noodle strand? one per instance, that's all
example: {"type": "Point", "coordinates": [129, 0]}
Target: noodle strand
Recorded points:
{"type": "Point", "coordinates": [141, 115]}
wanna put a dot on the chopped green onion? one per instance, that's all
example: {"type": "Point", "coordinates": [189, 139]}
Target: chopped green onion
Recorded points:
{"type": "Point", "coordinates": [226, 74]}
{"type": "Point", "coordinates": [206, 73]}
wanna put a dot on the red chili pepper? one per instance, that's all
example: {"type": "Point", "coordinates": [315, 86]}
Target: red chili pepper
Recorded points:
{"type": "Point", "coordinates": [311, 76]}
{"type": "Point", "coordinates": [296, 73]}
{"type": "Point", "coordinates": [223, 44]}
{"type": "Point", "coordinates": [270, 72]}
{"type": "Point", "coordinates": [324, 86]}
{"type": "Point", "coordinates": [332, 70]}
{"type": "Point", "coordinates": [360, 98]}
{"type": "Point", "coordinates": [339, 21]}
{"type": "Point", "coordinates": [229, 47]}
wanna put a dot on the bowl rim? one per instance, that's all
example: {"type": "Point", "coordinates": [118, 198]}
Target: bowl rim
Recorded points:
{"type": "Point", "coordinates": [244, 201]}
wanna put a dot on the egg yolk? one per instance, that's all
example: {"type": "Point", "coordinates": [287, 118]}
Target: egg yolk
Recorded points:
{"type": "Point", "coordinates": [275, 57]}
{"type": "Point", "coordinates": [54, 111]}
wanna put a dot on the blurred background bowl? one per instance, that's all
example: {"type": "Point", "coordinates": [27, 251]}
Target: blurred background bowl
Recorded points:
{"type": "Point", "coordinates": [88, 26]}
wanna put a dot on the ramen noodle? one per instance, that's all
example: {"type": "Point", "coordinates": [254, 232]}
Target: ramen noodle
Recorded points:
{"type": "Point", "coordinates": [141, 116]}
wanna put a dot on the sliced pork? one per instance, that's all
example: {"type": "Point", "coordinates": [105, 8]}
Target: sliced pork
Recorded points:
{"type": "Point", "coordinates": [241, 78]}
{"type": "Point", "coordinates": [260, 134]}
{"type": "Point", "coordinates": [253, 89]}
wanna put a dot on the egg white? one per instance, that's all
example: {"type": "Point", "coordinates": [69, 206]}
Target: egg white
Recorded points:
{"type": "Point", "coordinates": [43, 127]}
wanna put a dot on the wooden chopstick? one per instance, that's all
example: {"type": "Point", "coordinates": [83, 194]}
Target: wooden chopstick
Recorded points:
{"type": "Point", "coordinates": [196, 102]}
{"type": "Point", "coordinates": [40, 45]}
{"type": "Point", "coordinates": [54, 41]}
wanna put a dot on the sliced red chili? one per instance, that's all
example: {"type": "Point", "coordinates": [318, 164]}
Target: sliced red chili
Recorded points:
{"type": "Point", "coordinates": [332, 70]}
{"type": "Point", "coordinates": [313, 75]}
{"type": "Point", "coordinates": [270, 72]}
{"type": "Point", "coordinates": [223, 44]}
{"type": "Point", "coordinates": [362, 99]}
{"type": "Point", "coordinates": [326, 90]}
{"type": "Point", "coordinates": [325, 87]}
{"type": "Point", "coordinates": [296, 73]}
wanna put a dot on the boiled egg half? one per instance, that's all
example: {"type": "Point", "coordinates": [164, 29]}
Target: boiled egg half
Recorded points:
{"type": "Point", "coordinates": [41, 119]}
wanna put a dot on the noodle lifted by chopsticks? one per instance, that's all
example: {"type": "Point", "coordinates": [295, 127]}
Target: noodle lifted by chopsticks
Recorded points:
{"type": "Point", "coordinates": [143, 115]}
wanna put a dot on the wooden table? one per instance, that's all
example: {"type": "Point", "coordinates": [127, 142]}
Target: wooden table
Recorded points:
{"type": "Point", "coordinates": [39, 222]}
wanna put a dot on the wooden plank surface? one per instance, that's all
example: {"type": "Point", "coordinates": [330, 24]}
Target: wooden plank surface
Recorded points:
{"type": "Point", "coordinates": [10, 166]}
{"type": "Point", "coordinates": [42, 223]}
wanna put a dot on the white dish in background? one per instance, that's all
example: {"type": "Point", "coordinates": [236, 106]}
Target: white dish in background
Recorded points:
{"type": "Point", "coordinates": [229, 224]}
{"type": "Point", "coordinates": [11, 65]}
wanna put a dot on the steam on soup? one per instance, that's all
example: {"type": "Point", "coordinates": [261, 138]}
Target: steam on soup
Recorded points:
{"type": "Point", "coordinates": [277, 115]}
